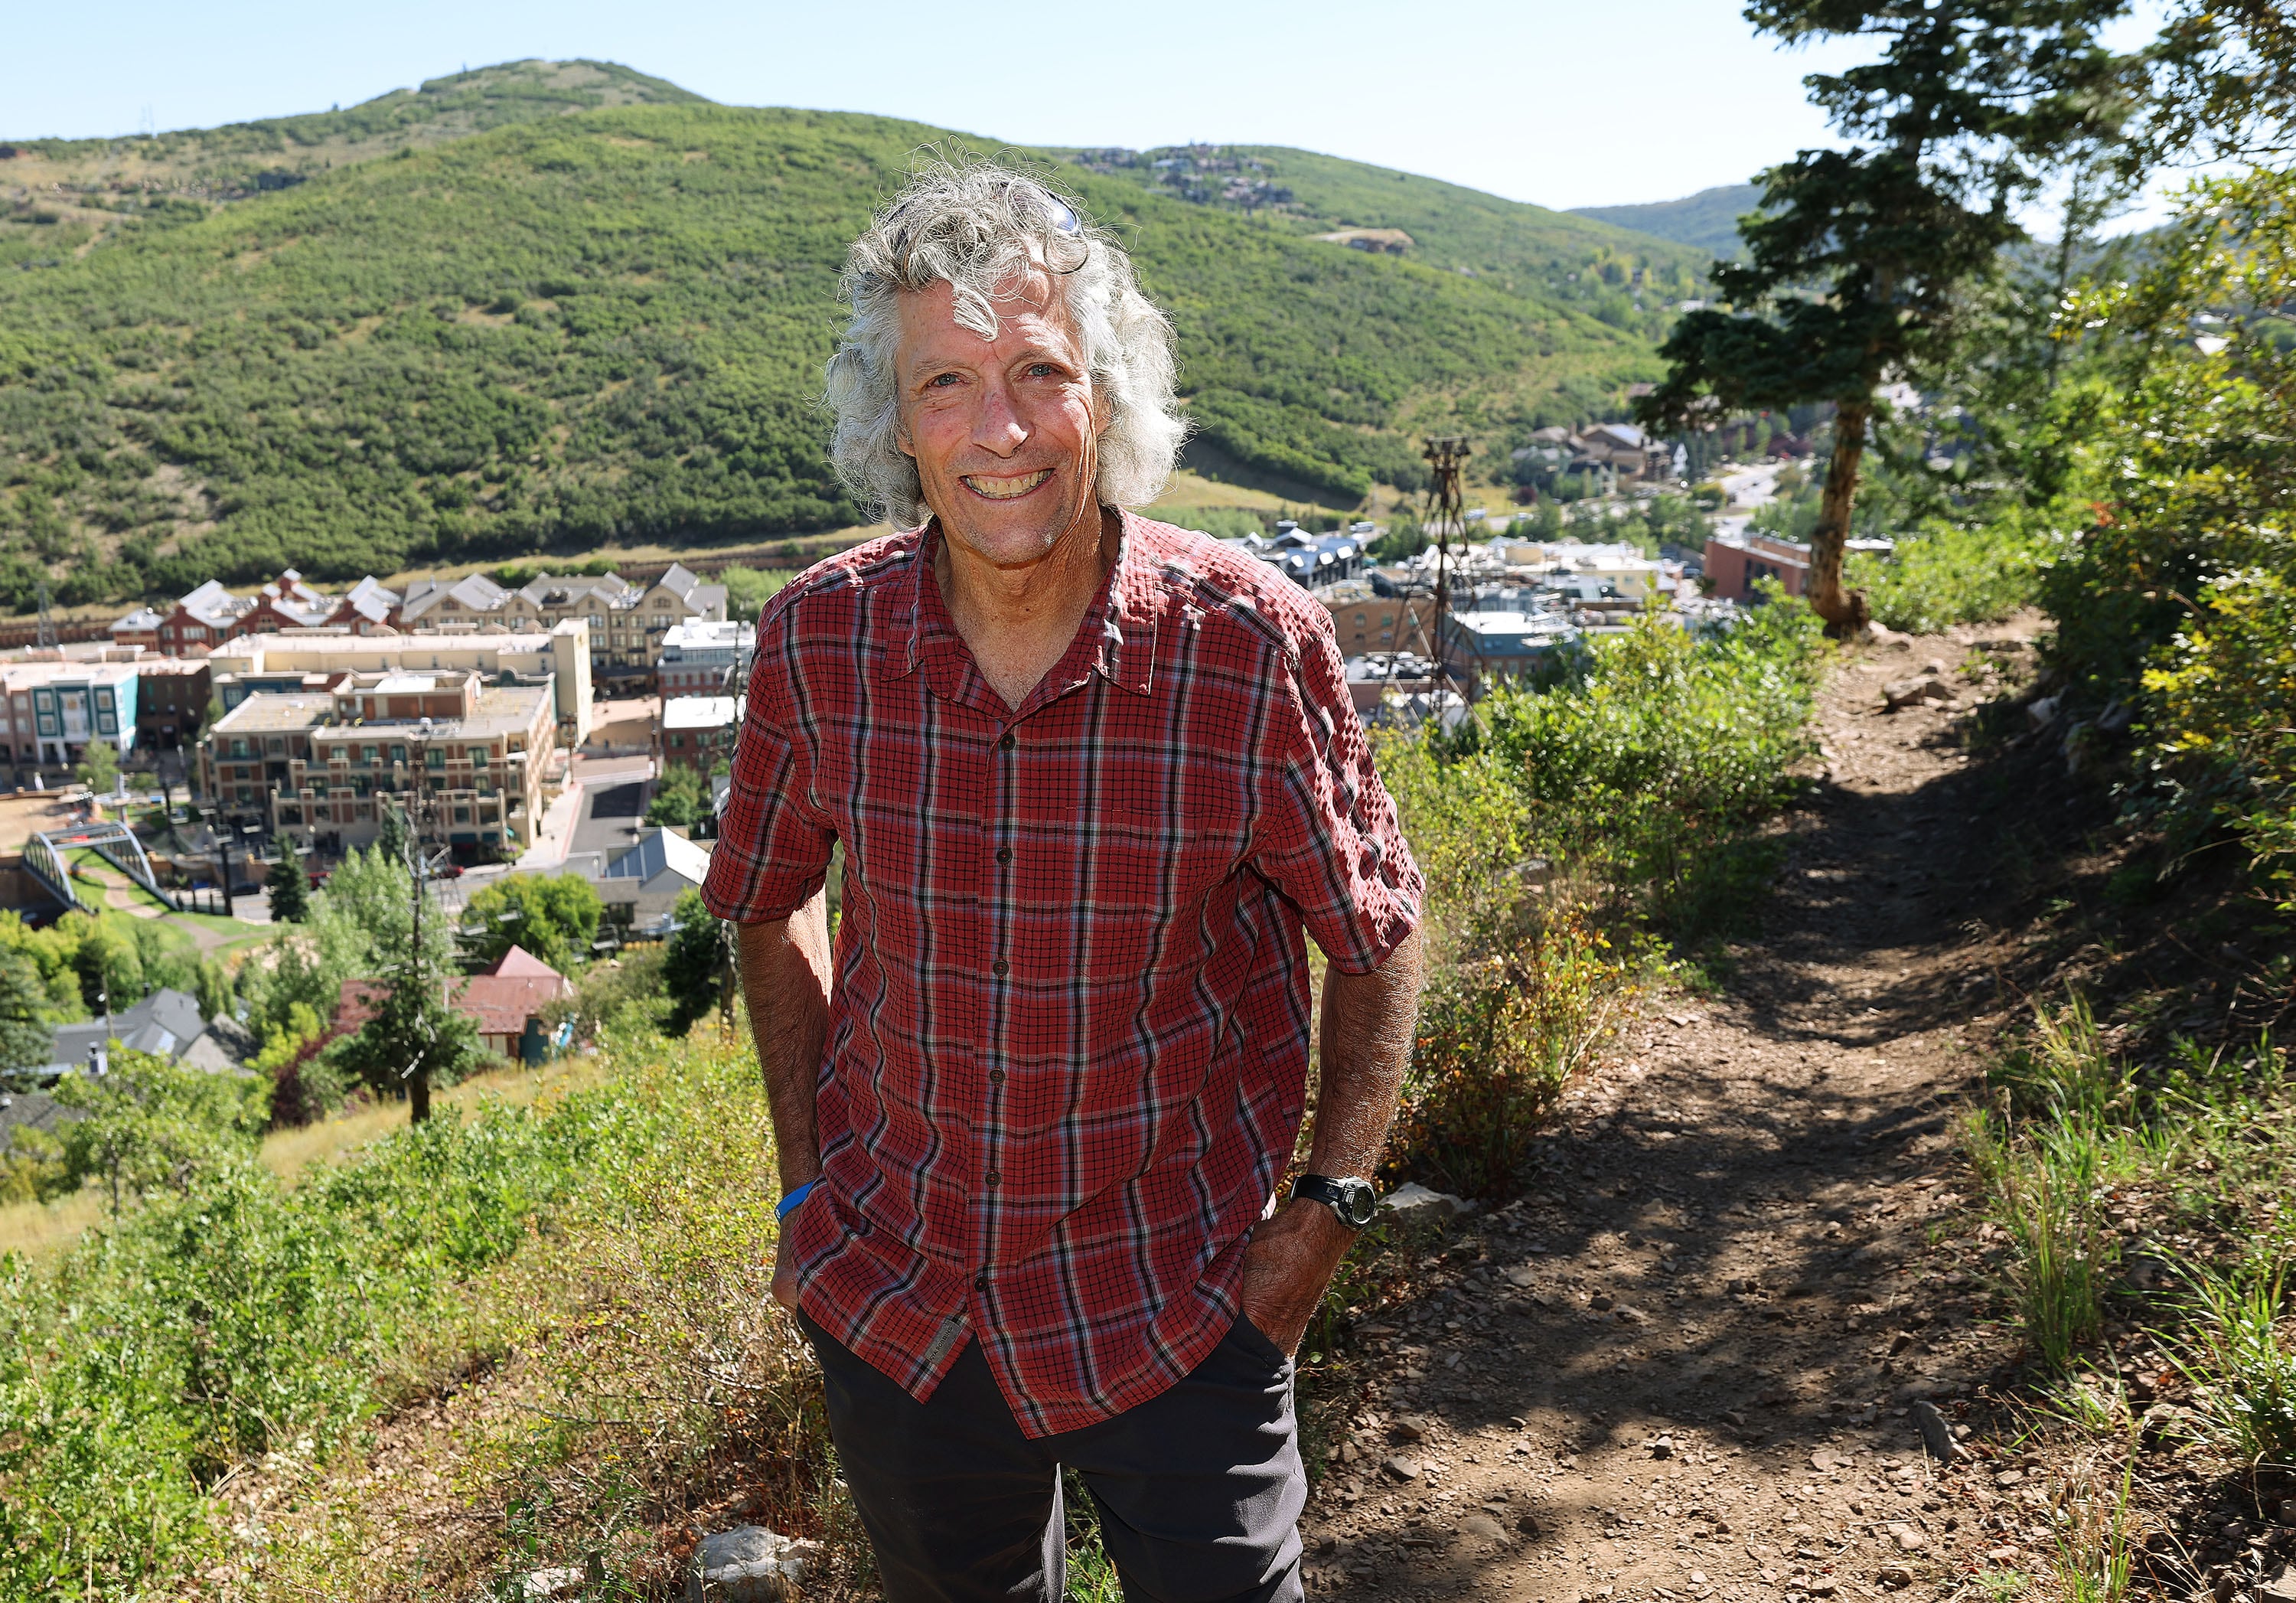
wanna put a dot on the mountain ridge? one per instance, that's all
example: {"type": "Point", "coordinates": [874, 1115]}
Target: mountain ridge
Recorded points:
{"type": "Point", "coordinates": [1706, 221]}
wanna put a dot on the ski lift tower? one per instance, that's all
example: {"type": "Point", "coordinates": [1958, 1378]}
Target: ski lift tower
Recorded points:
{"type": "Point", "coordinates": [1447, 509]}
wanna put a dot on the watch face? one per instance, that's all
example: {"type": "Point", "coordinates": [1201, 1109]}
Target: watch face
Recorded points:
{"type": "Point", "coordinates": [1358, 1203]}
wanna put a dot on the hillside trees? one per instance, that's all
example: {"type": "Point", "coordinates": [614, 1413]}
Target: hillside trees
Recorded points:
{"type": "Point", "coordinates": [1857, 261]}
{"type": "Point", "coordinates": [554, 918]}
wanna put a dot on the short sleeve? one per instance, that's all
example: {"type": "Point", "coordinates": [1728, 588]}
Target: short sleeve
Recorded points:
{"type": "Point", "coordinates": [772, 845]}
{"type": "Point", "coordinates": [1330, 839]}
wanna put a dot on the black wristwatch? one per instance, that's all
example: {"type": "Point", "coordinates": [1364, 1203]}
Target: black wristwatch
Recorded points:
{"type": "Point", "coordinates": [1354, 1201]}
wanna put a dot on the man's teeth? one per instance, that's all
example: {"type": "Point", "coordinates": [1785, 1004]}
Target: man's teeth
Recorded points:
{"type": "Point", "coordinates": [1006, 489]}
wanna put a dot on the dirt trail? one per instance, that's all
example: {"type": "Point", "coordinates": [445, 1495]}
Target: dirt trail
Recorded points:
{"type": "Point", "coordinates": [1684, 1365]}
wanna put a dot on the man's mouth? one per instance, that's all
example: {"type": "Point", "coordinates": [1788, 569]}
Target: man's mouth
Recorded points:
{"type": "Point", "coordinates": [992, 488]}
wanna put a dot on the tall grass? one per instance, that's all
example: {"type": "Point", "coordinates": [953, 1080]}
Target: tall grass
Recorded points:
{"type": "Point", "coordinates": [248, 1328]}
{"type": "Point", "coordinates": [2241, 1369]}
{"type": "Point", "coordinates": [2044, 1156]}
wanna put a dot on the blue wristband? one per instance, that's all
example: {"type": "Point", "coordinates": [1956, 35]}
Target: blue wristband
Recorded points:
{"type": "Point", "coordinates": [788, 1204]}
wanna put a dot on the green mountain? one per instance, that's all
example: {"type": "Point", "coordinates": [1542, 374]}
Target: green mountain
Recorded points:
{"type": "Point", "coordinates": [603, 319]}
{"type": "Point", "coordinates": [1706, 221]}
{"type": "Point", "coordinates": [1622, 278]}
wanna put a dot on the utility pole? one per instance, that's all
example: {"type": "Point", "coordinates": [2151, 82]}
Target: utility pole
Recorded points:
{"type": "Point", "coordinates": [418, 864]}
{"type": "Point", "coordinates": [1447, 509]}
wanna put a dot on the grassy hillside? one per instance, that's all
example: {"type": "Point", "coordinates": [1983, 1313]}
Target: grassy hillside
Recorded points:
{"type": "Point", "coordinates": [607, 324]}
{"type": "Point", "coordinates": [1625, 279]}
{"type": "Point", "coordinates": [1706, 221]}
{"type": "Point", "coordinates": [243, 159]}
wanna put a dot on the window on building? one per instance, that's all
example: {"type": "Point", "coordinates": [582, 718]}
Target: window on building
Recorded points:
{"type": "Point", "coordinates": [275, 746]}
{"type": "Point", "coordinates": [398, 753]}
{"type": "Point", "coordinates": [238, 746]}
{"type": "Point", "coordinates": [434, 757]}
{"type": "Point", "coordinates": [481, 754]}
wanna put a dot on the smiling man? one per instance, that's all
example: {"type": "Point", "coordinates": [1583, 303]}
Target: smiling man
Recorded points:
{"type": "Point", "coordinates": [1096, 779]}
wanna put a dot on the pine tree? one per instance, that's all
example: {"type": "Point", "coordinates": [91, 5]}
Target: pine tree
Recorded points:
{"type": "Point", "coordinates": [26, 1041]}
{"type": "Point", "coordinates": [696, 969]}
{"type": "Point", "coordinates": [1859, 257]}
{"type": "Point", "coordinates": [289, 888]}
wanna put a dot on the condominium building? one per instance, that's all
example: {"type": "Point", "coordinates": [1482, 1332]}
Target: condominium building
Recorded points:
{"type": "Point", "coordinates": [627, 620]}
{"type": "Point", "coordinates": [562, 651]}
{"type": "Point", "coordinates": [703, 659]}
{"type": "Point", "coordinates": [464, 758]}
{"type": "Point", "coordinates": [53, 708]}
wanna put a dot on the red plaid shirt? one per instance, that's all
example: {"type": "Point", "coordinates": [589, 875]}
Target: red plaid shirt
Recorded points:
{"type": "Point", "coordinates": [1068, 1037]}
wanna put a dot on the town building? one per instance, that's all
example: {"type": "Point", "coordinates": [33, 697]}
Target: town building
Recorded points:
{"type": "Point", "coordinates": [641, 883]}
{"type": "Point", "coordinates": [562, 653]}
{"type": "Point", "coordinates": [1484, 650]}
{"type": "Point", "coordinates": [211, 615]}
{"type": "Point", "coordinates": [508, 1003]}
{"type": "Point", "coordinates": [628, 620]}
{"type": "Point", "coordinates": [463, 758]}
{"type": "Point", "coordinates": [696, 730]}
{"type": "Point", "coordinates": [704, 658]}
{"type": "Point", "coordinates": [461, 605]}
{"type": "Point", "coordinates": [171, 700]}
{"type": "Point", "coordinates": [1738, 560]}
{"type": "Point", "coordinates": [167, 1023]}
{"type": "Point", "coordinates": [1310, 560]}
{"type": "Point", "coordinates": [250, 754]}
{"type": "Point", "coordinates": [1366, 620]}
{"type": "Point", "coordinates": [54, 708]}
{"type": "Point", "coordinates": [139, 630]}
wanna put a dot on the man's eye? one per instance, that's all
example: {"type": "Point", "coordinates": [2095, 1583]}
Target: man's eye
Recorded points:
{"type": "Point", "coordinates": [1043, 370]}
{"type": "Point", "coordinates": [941, 381]}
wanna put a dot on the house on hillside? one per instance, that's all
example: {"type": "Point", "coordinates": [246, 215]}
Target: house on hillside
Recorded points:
{"type": "Point", "coordinates": [506, 1002]}
{"type": "Point", "coordinates": [167, 1023]}
{"type": "Point", "coordinates": [641, 884]}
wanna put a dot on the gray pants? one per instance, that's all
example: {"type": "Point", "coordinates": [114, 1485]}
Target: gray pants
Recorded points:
{"type": "Point", "coordinates": [1199, 1489]}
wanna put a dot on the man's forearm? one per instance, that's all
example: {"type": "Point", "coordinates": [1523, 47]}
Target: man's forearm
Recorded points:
{"type": "Point", "coordinates": [785, 968]}
{"type": "Point", "coordinates": [1366, 1046]}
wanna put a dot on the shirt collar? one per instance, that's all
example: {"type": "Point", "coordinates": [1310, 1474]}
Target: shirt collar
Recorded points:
{"type": "Point", "coordinates": [1116, 639]}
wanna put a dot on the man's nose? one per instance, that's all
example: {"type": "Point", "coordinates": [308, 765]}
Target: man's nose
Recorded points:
{"type": "Point", "coordinates": [996, 426]}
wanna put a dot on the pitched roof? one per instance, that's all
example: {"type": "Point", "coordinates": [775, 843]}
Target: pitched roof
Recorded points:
{"type": "Point", "coordinates": [213, 604]}
{"type": "Point", "coordinates": [502, 1003]}
{"type": "Point", "coordinates": [165, 1022]}
{"type": "Point", "coordinates": [518, 963]}
{"type": "Point", "coordinates": [657, 850]}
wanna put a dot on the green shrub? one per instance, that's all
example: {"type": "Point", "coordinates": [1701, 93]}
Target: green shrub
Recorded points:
{"type": "Point", "coordinates": [148, 1125]}
{"type": "Point", "coordinates": [1653, 766]}
{"type": "Point", "coordinates": [1498, 1040]}
{"type": "Point", "coordinates": [241, 1318]}
{"type": "Point", "coordinates": [1944, 574]}
{"type": "Point", "coordinates": [2243, 1370]}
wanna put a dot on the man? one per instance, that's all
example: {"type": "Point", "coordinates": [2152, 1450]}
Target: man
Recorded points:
{"type": "Point", "coordinates": [1093, 775]}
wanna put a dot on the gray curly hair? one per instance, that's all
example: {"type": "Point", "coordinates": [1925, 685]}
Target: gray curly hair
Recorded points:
{"type": "Point", "coordinates": [975, 227]}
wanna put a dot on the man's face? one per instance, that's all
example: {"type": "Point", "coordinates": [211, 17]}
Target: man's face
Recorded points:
{"type": "Point", "coordinates": [1005, 431]}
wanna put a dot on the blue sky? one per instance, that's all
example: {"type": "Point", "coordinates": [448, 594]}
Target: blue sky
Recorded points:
{"type": "Point", "coordinates": [1564, 103]}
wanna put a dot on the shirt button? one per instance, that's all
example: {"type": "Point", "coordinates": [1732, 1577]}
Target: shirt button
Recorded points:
{"type": "Point", "coordinates": [980, 1281]}
{"type": "Point", "coordinates": [994, 1179]}
{"type": "Point", "coordinates": [1004, 854]}
{"type": "Point", "coordinates": [1007, 742]}
{"type": "Point", "coordinates": [1000, 968]}
{"type": "Point", "coordinates": [996, 1077]}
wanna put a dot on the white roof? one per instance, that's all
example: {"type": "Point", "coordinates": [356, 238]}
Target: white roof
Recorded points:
{"type": "Point", "coordinates": [404, 684]}
{"type": "Point", "coordinates": [699, 711]}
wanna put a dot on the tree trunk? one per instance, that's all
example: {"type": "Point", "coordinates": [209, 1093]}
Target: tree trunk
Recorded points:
{"type": "Point", "coordinates": [418, 1097]}
{"type": "Point", "coordinates": [1845, 613]}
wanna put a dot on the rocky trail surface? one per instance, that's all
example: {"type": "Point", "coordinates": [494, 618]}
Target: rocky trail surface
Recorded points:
{"type": "Point", "coordinates": [1697, 1358]}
